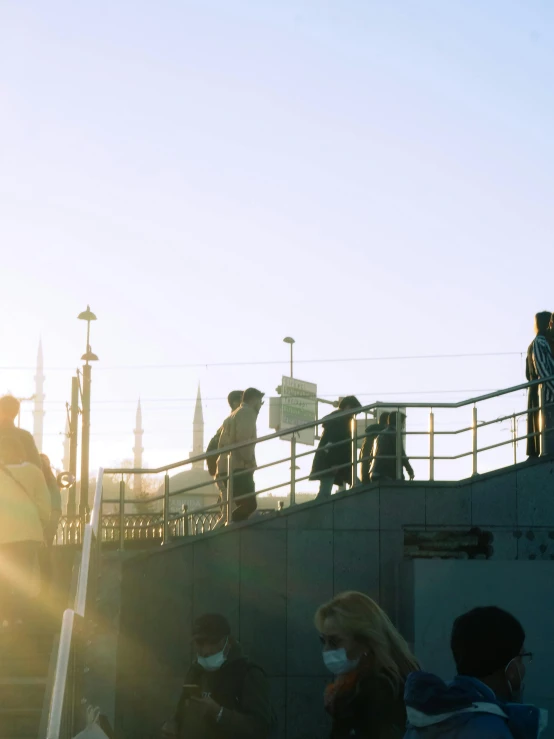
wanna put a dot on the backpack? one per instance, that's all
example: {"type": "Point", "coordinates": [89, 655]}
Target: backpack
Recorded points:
{"type": "Point", "coordinates": [212, 446]}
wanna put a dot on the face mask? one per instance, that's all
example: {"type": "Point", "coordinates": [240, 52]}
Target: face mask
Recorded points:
{"type": "Point", "coordinates": [338, 663]}
{"type": "Point", "coordinates": [516, 693]}
{"type": "Point", "coordinates": [214, 661]}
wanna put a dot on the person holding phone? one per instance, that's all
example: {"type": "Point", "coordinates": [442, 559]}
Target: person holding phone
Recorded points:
{"type": "Point", "coordinates": [225, 694]}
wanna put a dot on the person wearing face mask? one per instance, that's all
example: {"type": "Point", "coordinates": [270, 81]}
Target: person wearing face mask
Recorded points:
{"type": "Point", "coordinates": [370, 662]}
{"type": "Point", "coordinates": [225, 695]}
{"type": "Point", "coordinates": [484, 701]}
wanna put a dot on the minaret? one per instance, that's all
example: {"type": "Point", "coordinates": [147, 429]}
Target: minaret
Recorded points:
{"type": "Point", "coordinates": [38, 412]}
{"type": "Point", "coordinates": [66, 446]}
{"type": "Point", "coordinates": [138, 450]}
{"type": "Point", "coordinates": [198, 432]}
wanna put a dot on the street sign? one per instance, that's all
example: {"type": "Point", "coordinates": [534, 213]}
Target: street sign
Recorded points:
{"type": "Point", "coordinates": [298, 406]}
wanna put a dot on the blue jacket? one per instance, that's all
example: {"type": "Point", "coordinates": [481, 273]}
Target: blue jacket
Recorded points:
{"type": "Point", "coordinates": [465, 709]}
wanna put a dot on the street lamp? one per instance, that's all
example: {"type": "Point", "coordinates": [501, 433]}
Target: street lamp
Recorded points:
{"type": "Point", "coordinates": [88, 357]}
{"type": "Point", "coordinates": [289, 340]}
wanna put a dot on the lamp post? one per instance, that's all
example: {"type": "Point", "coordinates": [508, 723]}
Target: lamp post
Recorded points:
{"type": "Point", "coordinates": [291, 342]}
{"type": "Point", "coordinates": [88, 357]}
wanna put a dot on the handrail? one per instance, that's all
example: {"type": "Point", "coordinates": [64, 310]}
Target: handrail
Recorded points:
{"type": "Point", "coordinates": [68, 621]}
{"type": "Point", "coordinates": [314, 424]}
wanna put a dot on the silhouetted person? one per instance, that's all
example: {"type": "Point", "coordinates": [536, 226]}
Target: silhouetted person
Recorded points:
{"type": "Point", "coordinates": [225, 696]}
{"type": "Point", "coordinates": [24, 513]}
{"type": "Point", "coordinates": [240, 427]}
{"type": "Point", "coordinates": [9, 411]}
{"type": "Point", "coordinates": [234, 399]}
{"type": "Point", "coordinates": [371, 433]}
{"type": "Point", "coordinates": [539, 366]}
{"type": "Point", "coordinates": [484, 699]}
{"type": "Point", "coordinates": [333, 459]}
{"type": "Point", "coordinates": [550, 334]}
{"type": "Point", "coordinates": [383, 464]}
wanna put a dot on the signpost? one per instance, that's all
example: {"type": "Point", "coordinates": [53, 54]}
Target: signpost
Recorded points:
{"type": "Point", "coordinates": [298, 406]}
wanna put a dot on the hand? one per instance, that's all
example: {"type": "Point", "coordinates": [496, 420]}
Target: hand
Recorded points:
{"type": "Point", "coordinates": [169, 730]}
{"type": "Point", "coordinates": [412, 475]}
{"type": "Point", "coordinates": [207, 706]}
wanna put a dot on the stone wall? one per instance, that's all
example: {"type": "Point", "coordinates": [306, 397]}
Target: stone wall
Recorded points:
{"type": "Point", "coordinates": [268, 578]}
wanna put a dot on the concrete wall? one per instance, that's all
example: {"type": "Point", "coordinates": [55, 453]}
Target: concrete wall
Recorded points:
{"type": "Point", "coordinates": [269, 577]}
{"type": "Point", "coordinates": [442, 590]}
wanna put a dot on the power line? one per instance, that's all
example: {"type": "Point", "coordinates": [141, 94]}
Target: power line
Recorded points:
{"type": "Point", "coordinates": [336, 360]}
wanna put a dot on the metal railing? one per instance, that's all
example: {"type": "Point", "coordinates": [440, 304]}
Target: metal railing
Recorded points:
{"type": "Point", "coordinates": [64, 701]}
{"type": "Point", "coordinates": [221, 513]}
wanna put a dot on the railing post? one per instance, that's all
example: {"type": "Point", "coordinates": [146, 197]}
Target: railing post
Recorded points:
{"type": "Point", "coordinates": [229, 504]}
{"type": "Point", "coordinates": [121, 515]}
{"type": "Point", "coordinates": [474, 439]}
{"type": "Point", "coordinates": [165, 533]}
{"type": "Point", "coordinates": [514, 436]}
{"type": "Point", "coordinates": [186, 521]}
{"type": "Point", "coordinates": [293, 470]}
{"type": "Point", "coordinates": [542, 417]}
{"type": "Point", "coordinates": [399, 445]}
{"type": "Point", "coordinates": [431, 445]}
{"type": "Point", "coordinates": [354, 431]}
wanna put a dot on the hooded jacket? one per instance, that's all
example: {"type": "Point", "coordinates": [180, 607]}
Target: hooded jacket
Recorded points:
{"type": "Point", "coordinates": [465, 709]}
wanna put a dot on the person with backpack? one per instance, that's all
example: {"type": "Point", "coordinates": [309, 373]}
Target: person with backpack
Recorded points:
{"type": "Point", "coordinates": [225, 695]}
{"type": "Point", "coordinates": [234, 399]}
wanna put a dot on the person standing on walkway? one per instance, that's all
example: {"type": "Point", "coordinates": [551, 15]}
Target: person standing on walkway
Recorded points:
{"type": "Point", "coordinates": [370, 662]}
{"type": "Point", "coordinates": [484, 699]}
{"type": "Point", "coordinates": [383, 464]}
{"type": "Point", "coordinates": [225, 696]}
{"type": "Point", "coordinates": [9, 411]}
{"type": "Point", "coordinates": [333, 461]}
{"type": "Point", "coordinates": [24, 513]}
{"type": "Point", "coordinates": [371, 433]}
{"type": "Point", "coordinates": [540, 366]}
{"type": "Point", "coordinates": [234, 399]}
{"type": "Point", "coordinates": [240, 428]}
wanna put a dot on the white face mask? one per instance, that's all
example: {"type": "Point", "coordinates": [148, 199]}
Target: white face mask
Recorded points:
{"type": "Point", "coordinates": [214, 661]}
{"type": "Point", "coordinates": [517, 693]}
{"type": "Point", "coordinates": [338, 663]}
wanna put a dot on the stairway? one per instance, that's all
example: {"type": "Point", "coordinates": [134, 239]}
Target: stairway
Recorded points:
{"type": "Point", "coordinates": [25, 653]}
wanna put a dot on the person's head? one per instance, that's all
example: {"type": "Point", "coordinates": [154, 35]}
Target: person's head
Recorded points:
{"type": "Point", "coordinates": [11, 451]}
{"type": "Point", "coordinates": [235, 399]}
{"type": "Point", "coordinates": [542, 321]}
{"type": "Point", "coordinates": [349, 403]}
{"type": "Point", "coordinates": [9, 408]}
{"type": "Point", "coordinates": [254, 398]}
{"type": "Point", "coordinates": [211, 636]}
{"type": "Point", "coordinates": [353, 627]}
{"type": "Point", "coordinates": [396, 417]}
{"type": "Point", "coordinates": [488, 643]}
{"type": "Point", "coordinates": [384, 418]}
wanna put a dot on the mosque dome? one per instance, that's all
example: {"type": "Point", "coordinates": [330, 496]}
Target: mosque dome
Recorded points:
{"type": "Point", "coordinates": [200, 497]}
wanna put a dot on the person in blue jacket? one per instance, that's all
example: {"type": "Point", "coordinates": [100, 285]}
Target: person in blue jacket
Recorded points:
{"type": "Point", "coordinates": [484, 701]}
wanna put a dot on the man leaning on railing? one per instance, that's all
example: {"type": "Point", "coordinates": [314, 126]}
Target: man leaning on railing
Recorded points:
{"type": "Point", "coordinates": [239, 428]}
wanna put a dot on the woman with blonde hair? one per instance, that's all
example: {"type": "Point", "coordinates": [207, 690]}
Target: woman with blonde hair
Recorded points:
{"type": "Point", "coordinates": [370, 661]}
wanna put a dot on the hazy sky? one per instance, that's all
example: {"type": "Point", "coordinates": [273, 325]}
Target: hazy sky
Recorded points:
{"type": "Point", "coordinates": [372, 178]}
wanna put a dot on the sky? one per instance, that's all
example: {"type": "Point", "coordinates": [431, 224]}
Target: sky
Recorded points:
{"type": "Point", "coordinates": [373, 179]}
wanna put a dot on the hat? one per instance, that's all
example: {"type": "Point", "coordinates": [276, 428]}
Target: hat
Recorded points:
{"type": "Point", "coordinates": [211, 626]}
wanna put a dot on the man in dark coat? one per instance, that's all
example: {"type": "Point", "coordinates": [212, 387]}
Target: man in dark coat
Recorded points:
{"type": "Point", "coordinates": [371, 433]}
{"type": "Point", "coordinates": [333, 460]}
{"type": "Point", "coordinates": [544, 326]}
{"type": "Point", "coordinates": [225, 696]}
{"type": "Point", "coordinates": [383, 465]}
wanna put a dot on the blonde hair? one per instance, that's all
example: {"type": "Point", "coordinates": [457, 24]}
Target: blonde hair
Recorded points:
{"type": "Point", "coordinates": [359, 616]}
